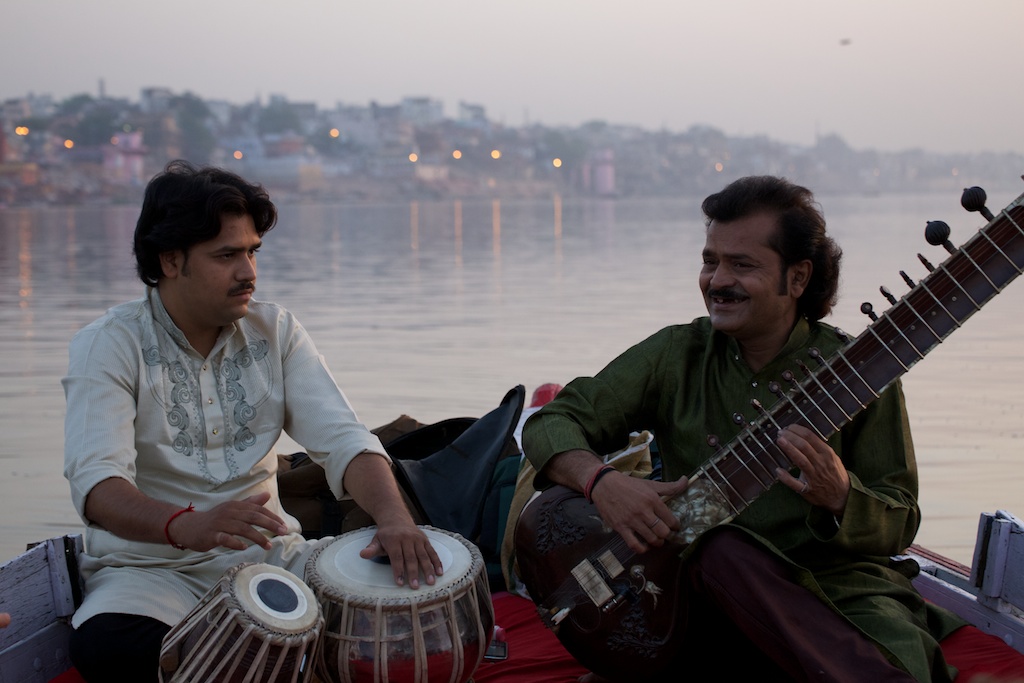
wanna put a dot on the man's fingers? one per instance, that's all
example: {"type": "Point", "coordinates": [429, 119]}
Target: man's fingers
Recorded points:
{"type": "Point", "coordinates": [427, 561]}
{"type": "Point", "coordinates": [412, 557]}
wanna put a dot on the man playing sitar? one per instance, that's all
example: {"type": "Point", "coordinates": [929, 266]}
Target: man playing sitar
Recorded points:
{"type": "Point", "coordinates": [799, 583]}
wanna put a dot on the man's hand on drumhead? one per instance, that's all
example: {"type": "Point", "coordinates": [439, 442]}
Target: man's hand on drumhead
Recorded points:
{"type": "Point", "coordinates": [229, 524]}
{"type": "Point", "coordinates": [409, 550]}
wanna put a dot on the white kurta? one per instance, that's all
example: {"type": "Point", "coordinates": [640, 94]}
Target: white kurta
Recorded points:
{"type": "Point", "coordinates": [144, 406]}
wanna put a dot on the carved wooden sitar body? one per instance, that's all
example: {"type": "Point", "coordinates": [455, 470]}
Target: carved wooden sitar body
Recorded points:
{"type": "Point", "coordinates": [616, 611]}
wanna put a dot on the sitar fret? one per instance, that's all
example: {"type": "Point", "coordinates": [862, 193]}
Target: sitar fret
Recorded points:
{"type": "Point", "coordinates": [1003, 253]}
{"type": "Point", "coordinates": [745, 464]}
{"type": "Point", "coordinates": [813, 377]}
{"type": "Point", "coordinates": [841, 355]}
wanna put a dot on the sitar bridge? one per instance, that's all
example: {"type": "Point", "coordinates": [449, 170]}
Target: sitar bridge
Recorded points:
{"type": "Point", "coordinates": [592, 581]}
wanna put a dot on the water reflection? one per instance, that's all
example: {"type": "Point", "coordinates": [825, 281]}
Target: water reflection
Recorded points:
{"type": "Point", "coordinates": [436, 309]}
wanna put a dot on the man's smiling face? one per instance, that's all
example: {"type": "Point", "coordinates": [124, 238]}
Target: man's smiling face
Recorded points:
{"type": "Point", "coordinates": [748, 293]}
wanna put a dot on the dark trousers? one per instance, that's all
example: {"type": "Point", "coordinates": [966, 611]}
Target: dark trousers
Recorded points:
{"type": "Point", "coordinates": [118, 648]}
{"type": "Point", "coordinates": [744, 602]}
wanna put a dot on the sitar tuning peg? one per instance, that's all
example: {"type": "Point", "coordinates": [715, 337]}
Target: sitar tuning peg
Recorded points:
{"type": "Point", "coordinates": [868, 310]}
{"type": "Point", "coordinates": [906, 278]}
{"type": "Point", "coordinates": [937, 234]}
{"type": "Point", "coordinates": [926, 263]}
{"type": "Point", "coordinates": [973, 199]}
{"type": "Point", "coordinates": [888, 295]}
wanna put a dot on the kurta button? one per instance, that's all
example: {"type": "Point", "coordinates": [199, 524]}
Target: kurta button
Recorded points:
{"type": "Point", "coordinates": [215, 431]}
{"type": "Point", "coordinates": [753, 384]}
{"type": "Point", "coordinates": [210, 401]}
{"type": "Point", "coordinates": [204, 368]}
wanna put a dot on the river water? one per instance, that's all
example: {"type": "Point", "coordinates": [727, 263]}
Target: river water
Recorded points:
{"type": "Point", "coordinates": [436, 309]}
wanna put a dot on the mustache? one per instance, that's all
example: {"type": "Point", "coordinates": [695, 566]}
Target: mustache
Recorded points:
{"type": "Point", "coordinates": [242, 288]}
{"type": "Point", "coordinates": [726, 294]}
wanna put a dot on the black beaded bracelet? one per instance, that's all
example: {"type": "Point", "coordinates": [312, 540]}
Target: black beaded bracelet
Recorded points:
{"type": "Point", "coordinates": [593, 481]}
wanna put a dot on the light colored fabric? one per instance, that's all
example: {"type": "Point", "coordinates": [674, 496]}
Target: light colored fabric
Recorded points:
{"type": "Point", "coordinates": [168, 589]}
{"type": "Point", "coordinates": [144, 406]}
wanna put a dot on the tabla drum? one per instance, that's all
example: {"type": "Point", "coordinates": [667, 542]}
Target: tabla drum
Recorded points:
{"type": "Point", "coordinates": [258, 624]}
{"type": "Point", "coordinates": [378, 631]}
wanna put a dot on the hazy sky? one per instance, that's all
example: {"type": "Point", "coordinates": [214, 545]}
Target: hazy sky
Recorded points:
{"type": "Point", "coordinates": [944, 75]}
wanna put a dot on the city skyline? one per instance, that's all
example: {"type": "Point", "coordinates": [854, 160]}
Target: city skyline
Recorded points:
{"type": "Point", "coordinates": [886, 76]}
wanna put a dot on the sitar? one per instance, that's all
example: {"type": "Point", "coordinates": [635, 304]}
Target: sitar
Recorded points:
{"type": "Point", "coordinates": [616, 611]}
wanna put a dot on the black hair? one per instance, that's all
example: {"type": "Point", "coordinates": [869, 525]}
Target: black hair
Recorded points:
{"type": "Point", "coordinates": [183, 206]}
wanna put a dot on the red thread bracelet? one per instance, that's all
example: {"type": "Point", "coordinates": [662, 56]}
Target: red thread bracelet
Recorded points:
{"type": "Point", "coordinates": [167, 527]}
{"type": "Point", "coordinates": [596, 477]}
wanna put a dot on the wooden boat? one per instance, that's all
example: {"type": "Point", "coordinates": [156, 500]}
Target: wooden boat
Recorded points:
{"type": "Point", "coordinates": [41, 588]}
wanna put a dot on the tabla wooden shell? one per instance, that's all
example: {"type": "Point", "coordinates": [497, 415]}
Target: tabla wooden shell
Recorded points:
{"type": "Point", "coordinates": [258, 624]}
{"type": "Point", "coordinates": [378, 631]}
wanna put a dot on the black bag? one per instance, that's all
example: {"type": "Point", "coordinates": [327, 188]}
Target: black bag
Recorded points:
{"type": "Point", "coordinates": [449, 485]}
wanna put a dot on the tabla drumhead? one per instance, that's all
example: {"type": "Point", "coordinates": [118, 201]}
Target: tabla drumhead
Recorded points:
{"type": "Point", "coordinates": [340, 564]}
{"type": "Point", "coordinates": [275, 598]}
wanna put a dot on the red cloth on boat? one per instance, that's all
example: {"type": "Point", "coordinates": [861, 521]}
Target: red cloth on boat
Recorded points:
{"type": "Point", "coordinates": [536, 656]}
{"type": "Point", "coordinates": [976, 653]}
{"type": "Point", "coordinates": [534, 653]}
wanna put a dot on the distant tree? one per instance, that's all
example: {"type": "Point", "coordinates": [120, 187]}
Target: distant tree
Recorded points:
{"type": "Point", "coordinates": [570, 149]}
{"type": "Point", "coordinates": [195, 124]}
{"type": "Point", "coordinates": [96, 126]}
{"type": "Point", "coordinates": [594, 127]}
{"type": "Point", "coordinates": [74, 105]}
{"type": "Point", "coordinates": [329, 146]}
{"type": "Point", "coordinates": [279, 117]}
{"type": "Point", "coordinates": [35, 123]}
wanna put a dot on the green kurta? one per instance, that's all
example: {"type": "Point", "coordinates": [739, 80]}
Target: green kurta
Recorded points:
{"type": "Point", "coordinates": [685, 383]}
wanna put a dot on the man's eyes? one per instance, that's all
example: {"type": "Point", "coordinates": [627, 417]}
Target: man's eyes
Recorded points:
{"type": "Point", "coordinates": [231, 254]}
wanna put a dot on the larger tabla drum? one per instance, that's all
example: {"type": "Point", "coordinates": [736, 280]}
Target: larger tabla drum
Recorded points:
{"type": "Point", "coordinates": [377, 631]}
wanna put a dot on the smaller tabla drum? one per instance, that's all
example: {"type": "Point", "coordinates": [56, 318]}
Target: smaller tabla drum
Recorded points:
{"type": "Point", "coordinates": [258, 624]}
{"type": "Point", "coordinates": [378, 631]}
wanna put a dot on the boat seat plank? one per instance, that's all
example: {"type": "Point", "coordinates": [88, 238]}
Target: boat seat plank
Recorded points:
{"type": "Point", "coordinates": [38, 658]}
{"type": "Point", "coordinates": [40, 587]}
{"type": "Point", "coordinates": [999, 549]}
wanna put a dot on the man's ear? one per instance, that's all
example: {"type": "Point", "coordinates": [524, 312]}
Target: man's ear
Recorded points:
{"type": "Point", "coordinates": [171, 263]}
{"type": "Point", "coordinates": [799, 276]}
